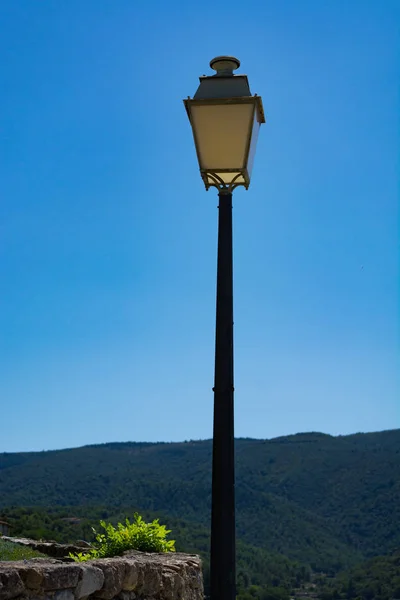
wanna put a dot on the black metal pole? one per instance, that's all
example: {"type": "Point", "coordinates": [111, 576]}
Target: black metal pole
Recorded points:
{"type": "Point", "coordinates": [223, 546]}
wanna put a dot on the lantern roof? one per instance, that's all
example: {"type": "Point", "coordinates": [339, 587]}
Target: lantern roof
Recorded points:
{"type": "Point", "coordinates": [224, 83]}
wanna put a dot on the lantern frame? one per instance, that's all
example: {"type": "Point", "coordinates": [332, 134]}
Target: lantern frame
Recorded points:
{"type": "Point", "coordinates": [241, 173]}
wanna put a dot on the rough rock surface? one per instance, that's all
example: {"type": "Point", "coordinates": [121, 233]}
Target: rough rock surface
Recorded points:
{"type": "Point", "coordinates": [49, 548]}
{"type": "Point", "coordinates": [135, 576]}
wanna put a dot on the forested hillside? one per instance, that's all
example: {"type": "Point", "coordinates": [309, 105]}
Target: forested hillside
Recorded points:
{"type": "Point", "coordinates": [309, 500]}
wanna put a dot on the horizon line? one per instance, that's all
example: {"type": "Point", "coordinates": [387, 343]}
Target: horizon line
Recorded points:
{"type": "Point", "coordinates": [201, 441]}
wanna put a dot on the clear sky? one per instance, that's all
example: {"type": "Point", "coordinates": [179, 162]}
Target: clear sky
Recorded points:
{"type": "Point", "coordinates": [108, 238]}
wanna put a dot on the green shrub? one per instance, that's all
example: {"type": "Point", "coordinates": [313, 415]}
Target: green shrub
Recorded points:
{"type": "Point", "coordinates": [146, 537]}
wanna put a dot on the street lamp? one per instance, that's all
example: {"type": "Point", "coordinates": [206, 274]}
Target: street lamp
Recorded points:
{"type": "Point", "coordinates": [225, 119]}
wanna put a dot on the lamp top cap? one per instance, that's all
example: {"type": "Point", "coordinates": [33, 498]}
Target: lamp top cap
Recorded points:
{"type": "Point", "coordinates": [224, 65]}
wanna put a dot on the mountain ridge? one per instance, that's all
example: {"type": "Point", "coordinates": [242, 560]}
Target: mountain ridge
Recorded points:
{"type": "Point", "coordinates": [329, 500]}
{"type": "Point", "coordinates": [277, 439]}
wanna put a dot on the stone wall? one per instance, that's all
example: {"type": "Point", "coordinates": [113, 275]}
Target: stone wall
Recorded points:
{"type": "Point", "coordinates": [139, 576]}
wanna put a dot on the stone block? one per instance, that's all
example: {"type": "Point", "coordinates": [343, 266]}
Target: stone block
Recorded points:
{"type": "Point", "coordinates": [60, 576]}
{"type": "Point", "coordinates": [32, 578]}
{"type": "Point", "coordinates": [91, 581]}
{"type": "Point", "coordinates": [114, 574]}
{"type": "Point", "coordinates": [11, 584]}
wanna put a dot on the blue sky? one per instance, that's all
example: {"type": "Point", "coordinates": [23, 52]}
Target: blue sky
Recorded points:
{"type": "Point", "coordinates": [108, 239]}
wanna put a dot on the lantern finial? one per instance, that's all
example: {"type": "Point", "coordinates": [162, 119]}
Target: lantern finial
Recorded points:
{"type": "Point", "coordinates": [224, 65]}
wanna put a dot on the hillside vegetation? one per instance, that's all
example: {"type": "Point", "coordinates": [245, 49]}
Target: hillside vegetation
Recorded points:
{"type": "Point", "coordinates": [309, 500]}
{"type": "Point", "coordinates": [375, 579]}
